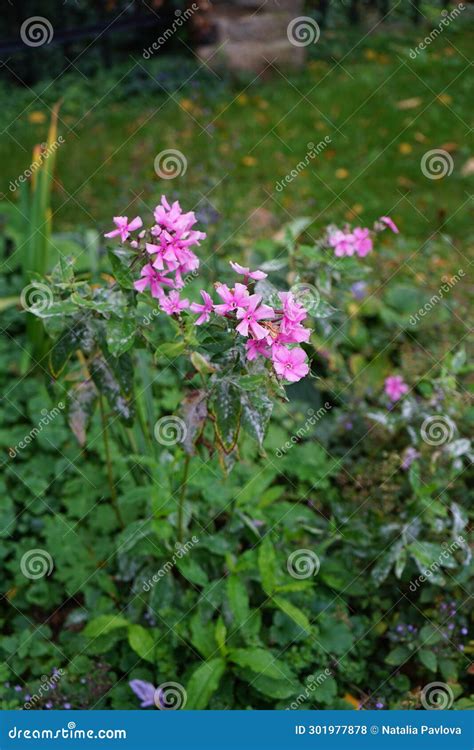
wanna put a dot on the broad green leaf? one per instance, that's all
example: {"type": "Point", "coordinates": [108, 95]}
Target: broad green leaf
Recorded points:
{"type": "Point", "coordinates": [120, 335]}
{"type": "Point", "coordinates": [428, 658]}
{"type": "Point", "coordinates": [293, 612]}
{"type": "Point", "coordinates": [141, 641]}
{"type": "Point", "coordinates": [398, 655]}
{"type": "Point", "coordinates": [203, 683]}
{"type": "Point", "coordinates": [104, 624]}
{"type": "Point", "coordinates": [260, 661]}
{"type": "Point", "coordinates": [256, 413]}
{"type": "Point", "coordinates": [190, 569]}
{"type": "Point", "coordinates": [238, 599]}
{"type": "Point", "coordinates": [226, 408]}
{"type": "Point", "coordinates": [220, 635]}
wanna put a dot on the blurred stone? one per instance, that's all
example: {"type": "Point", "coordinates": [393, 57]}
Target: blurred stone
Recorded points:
{"type": "Point", "coordinates": [252, 56]}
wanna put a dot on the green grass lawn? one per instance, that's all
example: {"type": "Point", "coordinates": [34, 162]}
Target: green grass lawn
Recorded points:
{"type": "Point", "coordinates": [381, 109]}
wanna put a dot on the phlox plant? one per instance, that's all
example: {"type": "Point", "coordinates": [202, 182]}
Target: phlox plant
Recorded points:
{"type": "Point", "coordinates": [236, 344]}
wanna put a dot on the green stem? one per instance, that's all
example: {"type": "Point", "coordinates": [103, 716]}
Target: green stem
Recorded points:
{"type": "Point", "coordinates": [182, 495]}
{"type": "Point", "coordinates": [105, 434]}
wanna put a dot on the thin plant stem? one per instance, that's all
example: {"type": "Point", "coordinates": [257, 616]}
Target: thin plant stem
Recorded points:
{"type": "Point", "coordinates": [105, 435]}
{"type": "Point", "coordinates": [182, 496]}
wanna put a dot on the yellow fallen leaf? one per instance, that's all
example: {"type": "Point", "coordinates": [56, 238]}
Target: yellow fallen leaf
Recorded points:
{"type": "Point", "coordinates": [420, 137]}
{"type": "Point", "coordinates": [187, 104]}
{"type": "Point", "coordinates": [342, 173]}
{"type": "Point", "coordinates": [405, 148]}
{"type": "Point", "coordinates": [36, 117]}
{"type": "Point", "coordinates": [468, 168]}
{"type": "Point", "coordinates": [357, 208]}
{"type": "Point", "coordinates": [353, 701]}
{"type": "Point", "coordinates": [249, 161]}
{"type": "Point", "coordinates": [370, 54]}
{"type": "Point", "coordinates": [445, 98]}
{"type": "Point", "coordinates": [242, 99]}
{"type": "Point", "coordinates": [415, 101]}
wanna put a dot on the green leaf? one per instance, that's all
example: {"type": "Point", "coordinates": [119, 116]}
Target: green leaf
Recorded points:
{"type": "Point", "coordinates": [203, 683]}
{"type": "Point", "coordinates": [428, 658]}
{"type": "Point", "coordinates": [293, 612]}
{"type": "Point", "coordinates": [141, 641]}
{"type": "Point", "coordinates": [104, 624]}
{"type": "Point", "coordinates": [220, 635]}
{"type": "Point", "coordinates": [120, 335]}
{"type": "Point", "coordinates": [267, 566]}
{"type": "Point", "coordinates": [190, 569]}
{"type": "Point", "coordinates": [252, 382]}
{"type": "Point", "coordinates": [430, 635]}
{"type": "Point", "coordinates": [278, 689]}
{"type": "Point", "coordinates": [256, 412]}
{"type": "Point", "coordinates": [238, 599]}
{"type": "Point", "coordinates": [398, 656]}
{"type": "Point", "coordinates": [448, 669]}
{"type": "Point", "coordinates": [109, 385]}
{"type": "Point", "coordinates": [260, 661]}
{"type": "Point", "coordinates": [226, 408]}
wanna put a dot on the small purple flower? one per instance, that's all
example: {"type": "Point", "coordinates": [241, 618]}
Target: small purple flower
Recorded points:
{"type": "Point", "coordinates": [359, 290]}
{"type": "Point", "coordinates": [410, 455]}
{"type": "Point", "coordinates": [49, 704]}
{"type": "Point", "coordinates": [379, 704]}
{"type": "Point", "coordinates": [145, 691]}
{"type": "Point", "coordinates": [18, 688]}
{"type": "Point", "coordinates": [67, 706]}
{"type": "Point", "coordinates": [464, 631]}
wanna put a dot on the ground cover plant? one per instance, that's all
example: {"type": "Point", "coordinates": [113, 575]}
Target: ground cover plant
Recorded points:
{"type": "Point", "coordinates": [236, 431]}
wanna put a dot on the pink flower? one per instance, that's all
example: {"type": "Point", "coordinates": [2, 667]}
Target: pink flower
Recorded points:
{"type": "Point", "coordinates": [257, 275]}
{"type": "Point", "coordinates": [233, 298]}
{"type": "Point", "coordinates": [250, 316]}
{"type": "Point", "coordinates": [395, 387]}
{"type": "Point", "coordinates": [342, 243]}
{"type": "Point", "coordinates": [256, 348]}
{"type": "Point", "coordinates": [290, 364]}
{"type": "Point", "coordinates": [123, 227]}
{"type": "Point", "coordinates": [152, 279]}
{"type": "Point", "coordinates": [294, 334]}
{"type": "Point", "coordinates": [173, 304]}
{"type": "Point", "coordinates": [204, 310]}
{"type": "Point", "coordinates": [362, 241]}
{"type": "Point", "coordinates": [389, 223]}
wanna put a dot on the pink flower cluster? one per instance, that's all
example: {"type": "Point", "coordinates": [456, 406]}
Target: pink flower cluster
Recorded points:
{"type": "Point", "coordinates": [270, 333]}
{"type": "Point", "coordinates": [169, 248]}
{"type": "Point", "coordinates": [359, 240]}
